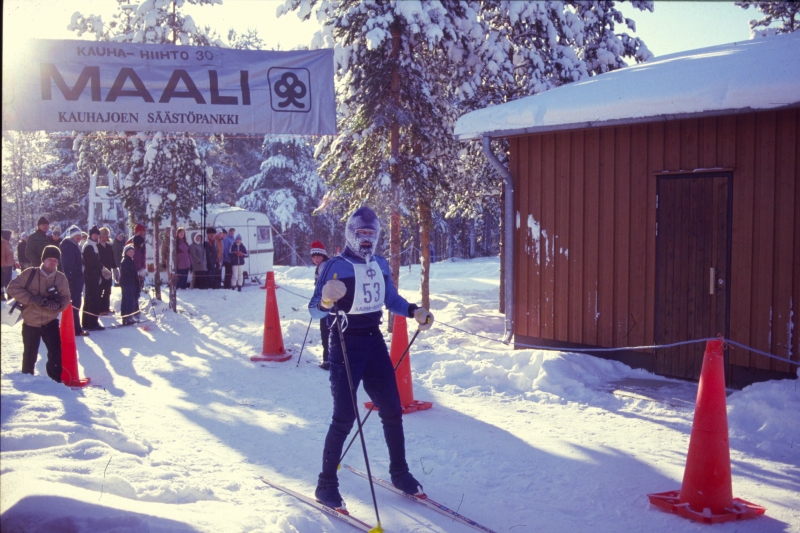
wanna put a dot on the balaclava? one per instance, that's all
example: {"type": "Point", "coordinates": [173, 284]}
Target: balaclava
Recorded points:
{"type": "Point", "coordinates": [363, 218]}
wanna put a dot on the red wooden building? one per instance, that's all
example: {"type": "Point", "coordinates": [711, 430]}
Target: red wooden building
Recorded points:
{"type": "Point", "coordinates": [661, 203]}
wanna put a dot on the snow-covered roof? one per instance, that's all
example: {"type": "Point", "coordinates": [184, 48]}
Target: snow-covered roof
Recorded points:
{"type": "Point", "coordinates": [758, 74]}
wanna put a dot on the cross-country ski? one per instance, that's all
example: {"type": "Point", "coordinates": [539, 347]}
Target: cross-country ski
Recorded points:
{"type": "Point", "coordinates": [426, 501]}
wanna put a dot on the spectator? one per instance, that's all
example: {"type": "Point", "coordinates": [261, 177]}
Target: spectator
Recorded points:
{"type": "Point", "coordinates": [106, 254]}
{"type": "Point", "coordinates": [56, 236]}
{"type": "Point", "coordinates": [118, 246]}
{"type": "Point", "coordinates": [212, 260]}
{"type": "Point", "coordinates": [237, 254]}
{"type": "Point", "coordinates": [198, 262]}
{"type": "Point", "coordinates": [129, 283]}
{"type": "Point", "coordinates": [227, 242]}
{"type": "Point", "coordinates": [183, 259]}
{"type": "Point", "coordinates": [319, 255]}
{"type": "Point", "coordinates": [93, 276]}
{"type": "Point", "coordinates": [72, 266]}
{"type": "Point", "coordinates": [45, 297]}
{"type": "Point", "coordinates": [7, 262]}
{"type": "Point", "coordinates": [22, 257]}
{"type": "Point", "coordinates": [37, 242]}
{"type": "Point", "coordinates": [139, 262]}
{"type": "Point", "coordinates": [218, 237]}
{"type": "Point", "coordinates": [84, 238]}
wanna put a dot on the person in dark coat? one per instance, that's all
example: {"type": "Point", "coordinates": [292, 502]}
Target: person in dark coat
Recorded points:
{"type": "Point", "coordinates": [212, 259]}
{"type": "Point", "coordinates": [106, 253]}
{"type": "Point", "coordinates": [118, 246]}
{"type": "Point", "coordinates": [237, 255]}
{"type": "Point", "coordinates": [38, 241]}
{"type": "Point", "coordinates": [93, 276]}
{"type": "Point", "coordinates": [359, 284]}
{"type": "Point", "coordinates": [72, 266]}
{"type": "Point", "coordinates": [22, 246]}
{"type": "Point", "coordinates": [319, 255]}
{"type": "Point", "coordinates": [198, 262]}
{"type": "Point", "coordinates": [128, 282]}
{"type": "Point", "coordinates": [140, 262]}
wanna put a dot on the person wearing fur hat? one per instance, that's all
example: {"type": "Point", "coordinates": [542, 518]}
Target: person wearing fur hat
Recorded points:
{"type": "Point", "coordinates": [43, 299]}
{"type": "Point", "coordinates": [72, 267]}
{"type": "Point", "coordinates": [358, 284]}
{"type": "Point", "coordinates": [319, 255]}
{"type": "Point", "coordinates": [7, 262]}
{"type": "Point", "coordinates": [93, 277]}
{"type": "Point", "coordinates": [237, 253]}
{"type": "Point", "coordinates": [128, 282]}
{"type": "Point", "coordinates": [38, 241]}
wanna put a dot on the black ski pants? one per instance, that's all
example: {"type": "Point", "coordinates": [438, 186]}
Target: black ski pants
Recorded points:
{"type": "Point", "coordinates": [51, 335]}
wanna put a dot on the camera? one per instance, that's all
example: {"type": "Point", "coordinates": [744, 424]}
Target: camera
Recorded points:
{"type": "Point", "coordinates": [53, 294]}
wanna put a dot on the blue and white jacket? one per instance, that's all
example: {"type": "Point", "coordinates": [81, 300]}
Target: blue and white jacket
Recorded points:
{"type": "Point", "coordinates": [342, 267]}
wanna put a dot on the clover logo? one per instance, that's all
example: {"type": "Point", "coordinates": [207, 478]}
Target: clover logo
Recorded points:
{"type": "Point", "coordinates": [290, 89]}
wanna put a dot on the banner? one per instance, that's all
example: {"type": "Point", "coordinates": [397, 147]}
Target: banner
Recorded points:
{"type": "Point", "coordinates": [104, 86]}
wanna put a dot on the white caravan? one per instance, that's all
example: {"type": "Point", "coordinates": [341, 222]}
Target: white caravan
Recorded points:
{"type": "Point", "coordinates": [254, 227]}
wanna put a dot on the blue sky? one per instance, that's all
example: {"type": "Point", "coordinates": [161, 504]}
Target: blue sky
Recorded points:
{"type": "Point", "coordinates": [674, 26]}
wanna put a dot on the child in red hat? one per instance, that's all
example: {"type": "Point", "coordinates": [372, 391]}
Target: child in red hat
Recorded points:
{"type": "Point", "coordinates": [319, 256]}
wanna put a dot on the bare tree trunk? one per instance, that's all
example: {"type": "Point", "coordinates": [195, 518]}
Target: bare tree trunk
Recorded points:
{"type": "Point", "coordinates": [425, 223]}
{"type": "Point", "coordinates": [156, 255]}
{"type": "Point", "coordinates": [394, 222]}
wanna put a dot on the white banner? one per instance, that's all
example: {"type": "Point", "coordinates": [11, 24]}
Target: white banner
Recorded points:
{"type": "Point", "coordinates": [104, 86]}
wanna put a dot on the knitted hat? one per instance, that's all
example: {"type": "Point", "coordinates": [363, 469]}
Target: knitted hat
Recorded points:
{"type": "Point", "coordinates": [94, 230]}
{"type": "Point", "coordinates": [317, 248]}
{"type": "Point", "coordinates": [238, 237]}
{"type": "Point", "coordinates": [363, 218]}
{"type": "Point", "coordinates": [211, 231]}
{"type": "Point", "coordinates": [138, 240]}
{"type": "Point", "coordinates": [42, 220]}
{"type": "Point", "coordinates": [51, 251]}
{"type": "Point", "coordinates": [72, 231]}
{"type": "Point", "coordinates": [137, 228]}
{"type": "Point", "coordinates": [127, 247]}
{"type": "Point", "coordinates": [57, 231]}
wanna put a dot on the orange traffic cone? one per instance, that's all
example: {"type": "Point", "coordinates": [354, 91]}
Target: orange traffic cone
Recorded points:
{"type": "Point", "coordinates": [273, 349]}
{"type": "Point", "coordinates": [706, 494]}
{"type": "Point", "coordinates": [403, 372]}
{"type": "Point", "coordinates": [69, 352]}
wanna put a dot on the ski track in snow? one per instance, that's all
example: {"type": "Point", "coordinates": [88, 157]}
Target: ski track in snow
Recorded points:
{"type": "Point", "coordinates": [179, 425]}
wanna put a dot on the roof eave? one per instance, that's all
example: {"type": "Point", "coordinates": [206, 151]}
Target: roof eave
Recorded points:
{"type": "Point", "coordinates": [495, 134]}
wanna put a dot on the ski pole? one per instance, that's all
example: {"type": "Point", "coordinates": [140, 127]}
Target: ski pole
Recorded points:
{"type": "Point", "coordinates": [355, 409]}
{"type": "Point", "coordinates": [370, 411]}
{"type": "Point", "coordinates": [304, 342]}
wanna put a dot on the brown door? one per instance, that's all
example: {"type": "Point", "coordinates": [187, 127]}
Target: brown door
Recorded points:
{"type": "Point", "coordinates": [693, 251]}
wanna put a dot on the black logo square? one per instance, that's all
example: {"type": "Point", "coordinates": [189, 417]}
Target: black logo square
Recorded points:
{"type": "Point", "coordinates": [290, 89]}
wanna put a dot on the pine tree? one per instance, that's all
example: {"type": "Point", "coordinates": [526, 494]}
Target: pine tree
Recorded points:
{"type": "Point", "coordinates": [779, 17]}
{"type": "Point", "coordinates": [286, 188]}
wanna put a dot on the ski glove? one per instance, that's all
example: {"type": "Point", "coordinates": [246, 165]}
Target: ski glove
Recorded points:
{"type": "Point", "coordinates": [332, 291]}
{"type": "Point", "coordinates": [424, 318]}
{"type": "Point", "coordinates": [106, 273]}
{"type": "Point", "coordinates": [53, 305]}
{"type": "Point", "coordinates": [39, 300]}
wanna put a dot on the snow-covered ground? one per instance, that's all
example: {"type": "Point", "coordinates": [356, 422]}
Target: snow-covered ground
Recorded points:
{"type": "Point", "coordinates": [179, 425]}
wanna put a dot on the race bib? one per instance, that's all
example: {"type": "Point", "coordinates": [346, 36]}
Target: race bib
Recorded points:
{"type": "Point", "coordinates": [369, 289]}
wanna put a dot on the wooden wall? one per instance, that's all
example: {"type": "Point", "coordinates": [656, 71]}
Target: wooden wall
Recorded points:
{"type": "Point", "coordinates": [589, 278]}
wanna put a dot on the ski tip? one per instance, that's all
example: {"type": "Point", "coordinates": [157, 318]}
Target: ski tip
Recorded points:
{"type": "Point", "coordinates": [376, 529]}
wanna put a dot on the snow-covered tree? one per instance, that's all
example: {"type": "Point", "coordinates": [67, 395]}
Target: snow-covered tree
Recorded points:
{"type": "Point", "coordinates": [779, 17]}
{"type": "Point", "coordinates": [287, 187]}
{"type": "Point", "coordinates": [23, 156]}
{"type": "Point", "coordinates": [405, 71]}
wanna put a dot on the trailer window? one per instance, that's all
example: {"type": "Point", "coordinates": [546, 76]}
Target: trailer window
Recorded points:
{"type": "Point", "coordinates": [264, 234]}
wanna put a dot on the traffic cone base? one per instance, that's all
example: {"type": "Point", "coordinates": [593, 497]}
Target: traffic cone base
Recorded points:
{"type": "Point", "coordinates": [273, 358]}
{"type": "Point", "coordinates": [739, 509]}
{"type": "Point", "coordinates": [77, 383]}
{"type": "Point", "coordinates": [413, 407]}
{"type": "Point", "coordinates": [706, 493]}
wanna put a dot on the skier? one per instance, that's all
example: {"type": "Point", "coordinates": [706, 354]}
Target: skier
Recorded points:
{"type": "Point", "coordinates": [319, 256]}
{"type": "Point", "coordinates": [360, 284]}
